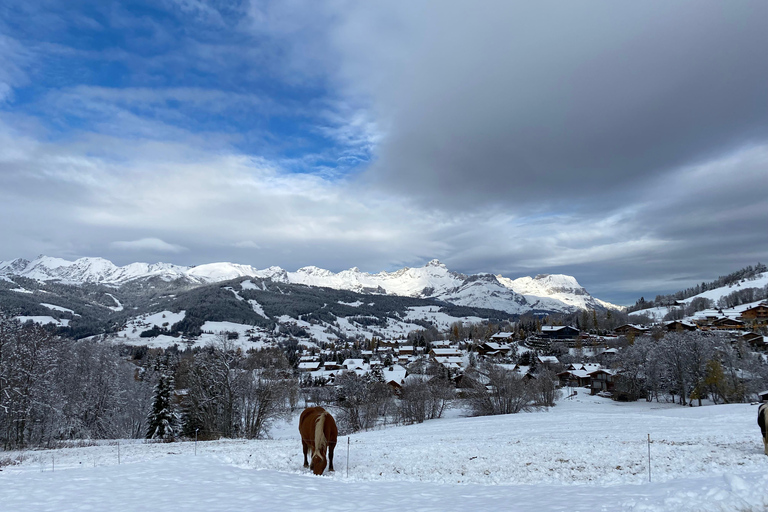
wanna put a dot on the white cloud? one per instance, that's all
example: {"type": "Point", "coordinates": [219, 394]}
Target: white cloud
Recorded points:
{"type": "Point", "coordinates": [148, 245]}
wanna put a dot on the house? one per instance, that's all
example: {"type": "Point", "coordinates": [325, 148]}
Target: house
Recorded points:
{"type": "Point", "coordinates": [444, 352]}
{"type": "Point", "coordinates": [502, 337]}
{"type": "Point", "coordinates": [679, 325]}
{"type": "Point", "coordinates": [354, 364]}
{"type": "Point", "coordinates": [756, 314]}
{"type": "Point", "coordinates": [757, 341]}
{"type": "Point", "coordinates": [631, 329]}
{"type": "Point", "coordinates": [559, 332]}
{"type": "Point", "coordinates": [394, 376]}
{"type": "Point", "coordinates": [589, 367]}
{"type": "Point", "coordinates": [450, 362]}
{"type": "Point", "coordinates": [406, 350]}
{"type": "Point", "coordinates": [547, 360]}
{"type": "Point", "coordinates": [491, 348]}
{"type": "Point", "coordinates": [602, 380]}
{"type": "Point", "coordinates": [727, 323]}
{"type": "Point", "coordinates": [574, 378]}
{"type": "Point", "coordinates": [309, 366]}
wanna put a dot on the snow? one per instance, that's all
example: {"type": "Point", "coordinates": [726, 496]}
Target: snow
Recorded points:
{"type": "Point", "coordinates": [248, 285]}
{"type": "Point", "coordinates": [43, 320]}
{"type": "Point", "coordinates": [585, 454]}
{"type": "Point", "coordinates": [355, 304]}
{"type": "Point", "coordinates": [118, 305]}
{"type": "Point", "coordinates": [57, 308]}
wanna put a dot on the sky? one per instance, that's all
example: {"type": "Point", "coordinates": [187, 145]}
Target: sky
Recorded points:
{"type": "Point", "coordinates": [624, 143]}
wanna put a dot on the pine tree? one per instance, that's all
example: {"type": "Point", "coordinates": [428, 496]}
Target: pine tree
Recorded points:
{"type": "Point", "coordinates": [162, 422]}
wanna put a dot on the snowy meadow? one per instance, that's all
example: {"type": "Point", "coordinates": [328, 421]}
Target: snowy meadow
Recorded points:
{"type": "Point", "coordinates": [586, 453]}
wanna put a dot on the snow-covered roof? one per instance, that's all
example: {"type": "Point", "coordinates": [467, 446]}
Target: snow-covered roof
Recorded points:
{"type": "Point", "coordinates": [446, 352]}
{"type": "Point", "coordinates": [394, 373]}
{"type": "Point", "coordinates": [351, 364]}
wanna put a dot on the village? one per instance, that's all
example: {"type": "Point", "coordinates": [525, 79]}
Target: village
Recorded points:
{"type": "Point", "coordinates": [579, 359]}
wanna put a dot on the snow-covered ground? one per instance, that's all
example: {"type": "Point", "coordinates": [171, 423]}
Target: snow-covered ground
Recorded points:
{"type": "Point", "coordinates": [586, 454]}
{"type": "Point", "coordinates": [43, 320]}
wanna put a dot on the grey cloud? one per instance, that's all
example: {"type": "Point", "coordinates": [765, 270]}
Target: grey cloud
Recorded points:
{"type": "Point", "coordinates": [540, 102]}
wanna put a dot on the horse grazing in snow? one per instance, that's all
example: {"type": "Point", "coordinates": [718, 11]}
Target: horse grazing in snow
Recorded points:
{"type": "Point", "coordinates": [318, 433]}
{"type": "Point", "coordinates": [762, 420]}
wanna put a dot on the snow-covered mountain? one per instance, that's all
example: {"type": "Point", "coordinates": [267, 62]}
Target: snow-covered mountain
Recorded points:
{"type": "Point", "coordinates": [543, 293]}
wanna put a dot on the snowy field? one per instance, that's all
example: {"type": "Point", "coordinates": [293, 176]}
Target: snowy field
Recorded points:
{"type": "Point", "coordinates": [588, 454]}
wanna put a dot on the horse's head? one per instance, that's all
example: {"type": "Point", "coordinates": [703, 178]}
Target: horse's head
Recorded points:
{"type": "Point", "coordinates": [318, 463]}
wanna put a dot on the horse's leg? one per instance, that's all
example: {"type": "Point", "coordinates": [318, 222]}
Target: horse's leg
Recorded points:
{"type": "Point", "coordinates": [304, 448]}
{"type": "Point", "coordinates": [332, 446]}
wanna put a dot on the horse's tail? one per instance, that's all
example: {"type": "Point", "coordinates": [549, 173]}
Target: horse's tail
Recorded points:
{"type": "Point", "coordinates": [320, 441]}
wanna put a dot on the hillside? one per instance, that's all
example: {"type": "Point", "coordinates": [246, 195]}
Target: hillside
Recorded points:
{"type": "Point", "coordinates": [730, 298]}
{"type": "Point", "coordinates": [162, 313]}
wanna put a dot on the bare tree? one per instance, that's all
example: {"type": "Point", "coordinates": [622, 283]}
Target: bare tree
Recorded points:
{"type": "Point", "coordinates": [497, 390]}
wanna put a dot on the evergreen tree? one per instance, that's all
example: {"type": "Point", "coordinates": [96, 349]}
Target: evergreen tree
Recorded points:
{"type": "Point", "coordinates": [162, 422]}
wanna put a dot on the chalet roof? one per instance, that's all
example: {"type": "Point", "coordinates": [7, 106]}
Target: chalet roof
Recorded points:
{"type": "Point", "coordinates": [632, 326]}
{"type": "Point", "coordinates": [548, 359]}
{"type": "Point", "coordinates": [603, 370]}
{"type": "Point", "coordinates": [681, 322]}
{"type": "Point", "coordinates": [352, 364]}
{"type": "Point", "coordinates": [309, 365]}
{"type": "Point", "coordinates": [502, 335]}
{"type": "Point", "coordinates": [450, 362]}
{"type": "Point", "coordinates": [394, 373]}
{"type": "Point", "coordinates": [589, 367]}
{"type": "Point", "coordinates": [446, 352]}
{"type": "Point", "coordinates": [581, 374]}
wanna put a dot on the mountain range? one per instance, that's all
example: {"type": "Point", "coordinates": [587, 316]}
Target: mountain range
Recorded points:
{"type": "Point", "coordinates": [544, 293]}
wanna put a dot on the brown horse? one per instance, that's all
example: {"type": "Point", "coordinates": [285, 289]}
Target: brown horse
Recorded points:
{"type": "Point", "coordinates": [318, 432]}
{"type": "Point", "coordinates": [762, 421]}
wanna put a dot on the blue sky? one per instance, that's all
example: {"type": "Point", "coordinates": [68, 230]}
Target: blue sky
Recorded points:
{"type": "Point", "coordinates": [89, 66]}
{"type": "Point", "coordinates": [624, 143]}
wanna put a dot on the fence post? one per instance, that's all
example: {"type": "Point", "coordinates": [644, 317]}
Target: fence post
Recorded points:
{"type": "Point", "coordinates": [347, 456]}
{"type": "Point", "coordinates": [649, 457]}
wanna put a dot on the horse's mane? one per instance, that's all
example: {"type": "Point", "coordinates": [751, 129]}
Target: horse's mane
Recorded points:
{"type": "Point", "coordinates": [320, 441]}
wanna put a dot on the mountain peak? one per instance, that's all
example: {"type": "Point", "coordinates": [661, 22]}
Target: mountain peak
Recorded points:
{"type": "Point", "coordinates": [435, 263]}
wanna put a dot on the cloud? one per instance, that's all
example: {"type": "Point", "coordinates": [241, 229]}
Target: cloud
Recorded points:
{"type": "Point", "coordinates": [148, 245]}
{"type": "Point", "coordinates": [623, 143]}
{"type": "Point", "coordinates": [552, 101]}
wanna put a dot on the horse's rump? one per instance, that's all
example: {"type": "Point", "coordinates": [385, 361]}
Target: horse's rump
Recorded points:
{"type": "Point", "coordinates": [318, 433]}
